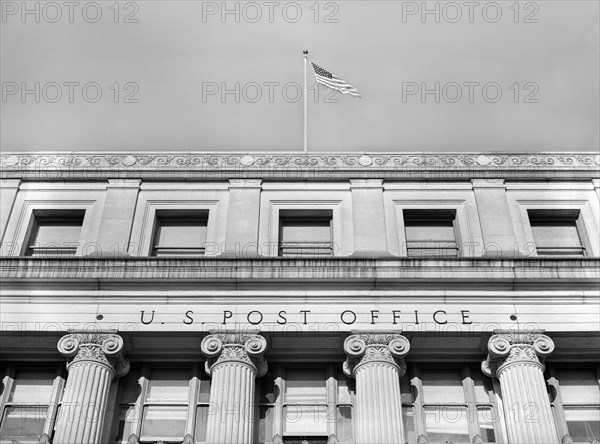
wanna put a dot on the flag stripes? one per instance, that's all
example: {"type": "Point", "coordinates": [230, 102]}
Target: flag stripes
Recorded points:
{"type": "Point", "coordinates": [327, 79]}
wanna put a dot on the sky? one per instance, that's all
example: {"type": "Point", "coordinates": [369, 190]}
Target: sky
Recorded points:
{"type": "Point", "coordinates": [228, 76]}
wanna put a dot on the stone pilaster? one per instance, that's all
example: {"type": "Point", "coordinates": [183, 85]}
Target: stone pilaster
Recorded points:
{"type": "Point", "coordinates": [376, 361]}
{"type": "Point", "coordinates": [97, 359]}
{"type": "Point", "coordinates": [234, 362]}
{"type": "Point", "coordinates": [517, 360]}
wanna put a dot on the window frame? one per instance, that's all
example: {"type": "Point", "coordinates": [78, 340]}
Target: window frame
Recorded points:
{"type": "Point", "coordinates": [332, 376]}
{"type": "Point", "coordinates": [53, 405]}
{"type": "Point", "coordinates": [579, 226]}
{"type": "Point", "coordinates": [307, 216]}
{"type": "Point", "coordinates": [179, 218]}
{"type": "Point", "coordinates": [197, 377]}
{"type": "Point", "coordinates": [471, 405]}
{"type": "Point", "coordinates": [430, 216]}
{"type": "Point", "coordinates": [49, 215]}
{"type": "Point", "coordinates": [556, 401]}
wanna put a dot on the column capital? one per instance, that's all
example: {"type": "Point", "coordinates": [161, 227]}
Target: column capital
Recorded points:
{"type": "Point", "coordinates": [102, 348]}
{"type": "Point", "coordinates": [506, 348]}
{"type": "Point", "coordinates": [375, 347]}
{"type": "Point", "coordinates": [232, 347]}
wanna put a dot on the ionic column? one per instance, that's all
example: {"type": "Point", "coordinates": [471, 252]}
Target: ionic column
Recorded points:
{"type": "Point", "coordinates": [97, 359]}
{"type": "Point", "coordinates": [234, 361]}
{"type": "Point", "coordinates": [376, 361]}
{"type": "Point", "coordinates": [517, 360]}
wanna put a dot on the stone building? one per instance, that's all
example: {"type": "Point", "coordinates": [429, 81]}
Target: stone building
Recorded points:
{"type": "Point", "coordinates": [299, 298]}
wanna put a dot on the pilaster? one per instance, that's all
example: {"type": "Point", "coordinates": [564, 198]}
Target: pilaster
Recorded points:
{"type": "Point", "coordinates": [241, 236]}
{"type": "Point", "coordinates": [494, 214]}
{"type": "Point", "coordinates": [376, 361]}
{"type": "Point", "coordinates": [234, 362]}
{"type": "Point", "coordinates": [517, 360]}
{"type": "Point", "coordinates": [368, 217]}
{"type": "Point", "coordinates": [117, 217]}
{"type": "Point", "coordinates": [8, 192]}
{"type": "Point", "coordinates": [97, 359]}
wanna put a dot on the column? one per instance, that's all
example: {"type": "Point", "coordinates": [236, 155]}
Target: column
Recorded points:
{"type": "Point", "coordinates": [368, 217]}
{"type": "Point", "coordinates": [241, 236]}
{"type": "Point", "coordinates": [517, 360]}
{"type": "Point", "coordinates": [97, 359]}
{"type": "Point", "coordinates": [496, 224]}
{"type": "Point", "coordinates": [376, 361]}
{"type": "Point", "coordinates": [117, 218]}
{"type": "Point", "coordinates": [234, 361]}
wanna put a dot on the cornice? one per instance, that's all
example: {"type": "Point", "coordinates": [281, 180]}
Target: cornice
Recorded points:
{"type": "Point", "coordinates": [292, 166]}
{"type": "Point", "coordinates": [19, 271]}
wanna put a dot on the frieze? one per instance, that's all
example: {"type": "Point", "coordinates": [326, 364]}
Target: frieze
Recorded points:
{"type": "Point", "coordinates": [282, 165]}
{"type": "Point", "coordinates": [506, 348]}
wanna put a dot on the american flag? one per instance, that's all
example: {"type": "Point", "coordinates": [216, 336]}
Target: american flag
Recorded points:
{"type": "Point", "coordinates": [324, 77]}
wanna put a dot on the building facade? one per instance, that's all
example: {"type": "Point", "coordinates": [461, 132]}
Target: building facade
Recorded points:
{"type": "Point", "coordinates": [299, 298]}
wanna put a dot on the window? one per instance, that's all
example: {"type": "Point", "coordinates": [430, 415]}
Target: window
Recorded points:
{"type": "Point", "coordinates": [576, 402]}
{"type": "Point", "coordinates": [430, 232]}
{"type": "Point", "coordinates": [180, 233]}
{"type": "Point", "coordinates": [556, 232]}
{"type": "Point", "coordinates": [55, 233]}
{"type": "Point", "coordinates": [305, 403]}
{"type": "Point", "coordinates": [450, 405]}
{"type": "Point", "coordinates": [32, 403]}
{"type": "Point", "coordinates": [305, 233]}
{"type": "Point", "coordinates": [163, 404]}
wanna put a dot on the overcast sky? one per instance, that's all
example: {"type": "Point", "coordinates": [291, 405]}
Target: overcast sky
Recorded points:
{"type": "Point", "coordinates": [167, 63]}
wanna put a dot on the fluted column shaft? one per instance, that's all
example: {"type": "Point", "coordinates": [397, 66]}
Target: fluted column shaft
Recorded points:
{"type": "Point", "coordinates": [516, 359]}
{"type": "Point", "coordinates": [97, 359]}
{"type": "Point", "coordinates": [234, 362]}
{"type": "Point", "coordinates": [376, 361]}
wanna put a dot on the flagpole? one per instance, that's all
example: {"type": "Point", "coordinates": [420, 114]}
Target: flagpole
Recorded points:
{"type": "Point", "coordinates": [305, 105]}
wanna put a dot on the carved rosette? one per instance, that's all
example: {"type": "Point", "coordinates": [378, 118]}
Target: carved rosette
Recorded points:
{"type": "Point", "coordinates": [102, 348]}
{"type": "Point", "coordinates": [370, 348]}
{"type": "Point", "coordinates": [221, 348]}
{"type": "Point", "coordinates": [506, 349]}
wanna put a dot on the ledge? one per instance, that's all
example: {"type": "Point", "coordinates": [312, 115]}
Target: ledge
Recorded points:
{"type": "Point", "coordinates": [48, 166]}
{"type": "Point", "coordinates": [301, 271]}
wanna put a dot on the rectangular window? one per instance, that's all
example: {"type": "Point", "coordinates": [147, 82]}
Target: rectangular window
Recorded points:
{"type": "Point", "coordinates": [32, 403]}
{"type": "Point", "coordinates": [173, 402]}
{"type": "Point", "coordinates": [556, 232]}
{"type": "Point", "coordinates": [180, 233]}
{"type": "Point", "coordinates": [579, 402]}
{"type": "Point", "coordinates": [450, 405]}
{"type": "Point", "coordinates": [305, 233]}
{"type": "Point", "coordinates": [55, 233]}
{"type": "Point", "coordinates": [311, 404]}
{"type": "Point", "coordinates": [430, 232]}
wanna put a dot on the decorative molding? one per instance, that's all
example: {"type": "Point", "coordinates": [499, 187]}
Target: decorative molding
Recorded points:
{"type": "Point", "coordinates": [277, 439]}
{"type": "Point", "coordinates": [333, 439]}
{"type": "Point", "coordinates": [133, 439]}
{"type": "Point", "coordinates": [292, 166]}
{"type": "Point", "coordinates": [102, 348]}
{"type": "Point", "coordinates": [583, 271]}
{"type": "Point", "coordinates": [566, 439]}
{"type": "Point", "coordinates": [44, 439]}
{"type": "Point", "coordinates": [509, 348]}
{"type": "Point", "coordinates": [368, 348]}
{"type": "Point", "coordinates": [188, 439]}
{"type": "Point", "coordinates": [477, 439]}
{"type": "Point", "coordinates": [235, 347]}
{"type": "Point", "coordinates": [422, 439]}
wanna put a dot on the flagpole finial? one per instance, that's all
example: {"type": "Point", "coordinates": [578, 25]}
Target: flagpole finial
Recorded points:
{"type": "Point", "coordinates": [305, 52]}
